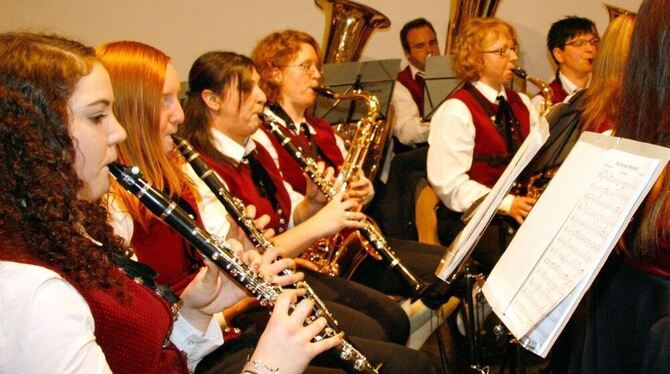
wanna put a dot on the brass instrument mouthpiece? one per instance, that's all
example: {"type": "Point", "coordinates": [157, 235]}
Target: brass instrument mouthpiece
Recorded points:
{"type": "Point", "coordinates": [519, 72]}
{"type": "Point", "coordinates": [327, 92]}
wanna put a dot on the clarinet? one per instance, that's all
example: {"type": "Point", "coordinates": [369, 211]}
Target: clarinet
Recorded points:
{"type": "Point", "coordinates": [235, 207]}
{"type": "Point", "coordinates": [370, 232]}
{"type": "Point", "coordinates": [220, 253]}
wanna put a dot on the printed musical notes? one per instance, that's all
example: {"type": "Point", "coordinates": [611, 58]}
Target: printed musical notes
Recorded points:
{"type": "Point", "coordinates": [558, 251]}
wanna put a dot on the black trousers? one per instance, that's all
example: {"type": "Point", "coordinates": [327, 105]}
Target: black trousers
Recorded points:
{"type": "Point", "coordinates": [393, 206]}
{"type": "Point", "coordinates": [421, 259]}
{"type": "Point", "coordinates": [361, 311]}
{"type": "Point", "coordinates": [491, 246]}
{"type": "Point", "coordinates": [395, 359]}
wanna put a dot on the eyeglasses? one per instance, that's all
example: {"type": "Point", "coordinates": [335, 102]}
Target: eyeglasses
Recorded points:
{"type": "Point", "coordinates": [307, 67]}
{"type": "Point", "coordinates": [578, 43]}
{"type": "Point", "coordinates": [504, 51]}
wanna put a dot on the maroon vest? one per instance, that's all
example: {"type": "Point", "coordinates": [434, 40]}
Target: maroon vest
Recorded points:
{"type": "Point", "coordinates": [489, 143]}
{"type": "Point", "coordinates": [242, 185]}
{"type": "Point", "coordinates": [414, 87]}
{"type": "Point", "coordinates": [132, 332]}
{"type": "Point", "coordinates": [558, 94]}
{"type": "Point", "coordinates": [325, 142]}
{"type": "Point", "coordinates": [162, 248]}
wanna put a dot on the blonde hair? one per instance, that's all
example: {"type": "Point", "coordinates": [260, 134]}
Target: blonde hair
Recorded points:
{"type": "Point", "coordinates": [476, 35]}
{"type": "Point", "coordinates": [602, 97]}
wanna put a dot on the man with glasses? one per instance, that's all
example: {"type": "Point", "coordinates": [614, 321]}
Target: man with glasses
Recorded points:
{"type": "Point", "coordinates": [573, 43]}
{"type": "Point", "coordinates": [475, 133]}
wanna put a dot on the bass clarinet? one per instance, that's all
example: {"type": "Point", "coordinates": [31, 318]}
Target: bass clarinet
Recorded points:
{"type": "Point", "coordinates": [220, 253]}
{"type": "Point", "coordinates": [370, 232]}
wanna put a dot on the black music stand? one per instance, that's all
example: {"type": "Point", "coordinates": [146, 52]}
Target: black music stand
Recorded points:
{"type": "Point", "coordinates": [441, 82]}
{"type": "Point", "coordinates": [377, 77]}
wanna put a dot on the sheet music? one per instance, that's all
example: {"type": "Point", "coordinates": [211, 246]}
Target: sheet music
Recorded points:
{"type": "Point", "coordinates": [584, 238]}
{"type": "Point", "coordinates": [465, 242]}
{"type": "Point", "coordinates": [566, 239]}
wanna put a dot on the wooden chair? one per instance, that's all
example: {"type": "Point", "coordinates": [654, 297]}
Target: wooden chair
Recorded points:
{"type": "Point", "coordinates": [424, 210]}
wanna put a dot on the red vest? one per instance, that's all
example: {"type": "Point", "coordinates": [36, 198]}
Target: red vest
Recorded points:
{"type": "Point", "coordinates": [131, 332]}
{"type": "Point", "coordinates": [414, 88]}
{"type": "Point", "coordinates": [489, 143]}
{"type": "Point", "coordinates": [241, 185]}
{"type": "Point", "coordinates": [327, 149]}
{"type": "Point", "coordinates": [162, 248]}
{"type": "Point", "coordinates": [558, 94]}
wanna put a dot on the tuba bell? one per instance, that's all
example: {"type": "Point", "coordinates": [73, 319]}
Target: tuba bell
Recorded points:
{"type": "Point", "coordinates": [349, 26]}
{"type": "Point", "coordinates": [463, 10]}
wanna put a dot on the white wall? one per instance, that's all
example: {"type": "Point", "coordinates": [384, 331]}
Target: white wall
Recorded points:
{"type": "Point", "coordinates": [185, 29]}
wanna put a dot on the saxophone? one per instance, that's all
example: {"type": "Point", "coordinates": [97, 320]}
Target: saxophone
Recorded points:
{"type": "Point", "coordinates": [221, 254]}
{"type": "Point", "coordinates": [536, 183]}
{"type": "Point", "coordinates": [373, 241]}
{"type": "Point", "coordinates": [545, 90]}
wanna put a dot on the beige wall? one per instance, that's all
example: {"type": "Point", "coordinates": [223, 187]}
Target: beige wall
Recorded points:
{"type": "Point", "coordinates": [185, 29]}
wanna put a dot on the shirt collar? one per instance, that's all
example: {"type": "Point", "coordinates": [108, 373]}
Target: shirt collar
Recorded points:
{"type": "Point", "coordinates": [567, 84]}
{"type": "Point", "coordinates": [230, 148]}
{"type": "Point", "coordinates": [415, 70]}
{"type": "Point", "coordinates": [489, 93]}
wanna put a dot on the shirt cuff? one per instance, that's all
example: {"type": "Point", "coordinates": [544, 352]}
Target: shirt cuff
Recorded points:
{"type": "Point", "coordinates": [506, 204]}
{"type": "Point", "coordinates": [194, 343]}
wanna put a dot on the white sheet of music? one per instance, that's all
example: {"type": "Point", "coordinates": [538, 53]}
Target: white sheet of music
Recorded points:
{"type": "Point", "coordinates": [466, 240]}
{"type": "Point", "coordinates": [565, 240]}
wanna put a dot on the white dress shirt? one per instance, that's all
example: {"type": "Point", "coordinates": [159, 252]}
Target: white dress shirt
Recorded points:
{"type": "Point", "coordinates": [538, 100]}
{"type": "Point", "coordinates": [408, 126]}
{"type": "Point", "coordinates": [452, 142]}
{"type": "Point", "coordinates": [47, 326]}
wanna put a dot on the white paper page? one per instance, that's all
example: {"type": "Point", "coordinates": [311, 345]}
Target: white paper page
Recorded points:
{"type": "Point", "coordinates": [563, 203]}
{"type": "Point", "coordinates": [465, 242]}
{"type": "Point", "coordinates": [539, 229]}
{"type": "Point", "coordinates": [585, 237]}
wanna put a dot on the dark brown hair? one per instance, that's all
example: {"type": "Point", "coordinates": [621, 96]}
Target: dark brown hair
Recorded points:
{"type": "Point", "coordinates": [645, 116]}
{"type": "Point", "coordinates": [218, 72]}
{"type": "Point", "coordinates": [41, 218]}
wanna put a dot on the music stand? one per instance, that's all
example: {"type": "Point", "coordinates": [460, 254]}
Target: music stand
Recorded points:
{"type": "Point", "coordinates": [377, 77]}
{"type": "Point", "coordinates": [441, 82]}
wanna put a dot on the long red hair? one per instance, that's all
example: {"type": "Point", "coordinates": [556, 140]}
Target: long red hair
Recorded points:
{"type": "Point", "coordinates": [138, 71]}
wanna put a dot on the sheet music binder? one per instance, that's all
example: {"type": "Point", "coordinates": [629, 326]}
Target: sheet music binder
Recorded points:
{"type": "Point", "coordinates": [377, 77]}
{"type": "Point", "coordinates": [565, 240]}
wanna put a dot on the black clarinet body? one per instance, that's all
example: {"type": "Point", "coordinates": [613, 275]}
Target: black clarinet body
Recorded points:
{"type": "Point", "coordinates": [235, 207]}
{"type": "Point", "coordinates": [221, 254]}
{"type": "Point", "coordinates": [371, 232]}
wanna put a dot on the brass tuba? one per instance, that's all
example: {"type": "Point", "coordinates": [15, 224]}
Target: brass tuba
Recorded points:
{"type": "Point", "coordinates": [349, 26]}
{"type": "Point", "coordinates": [463, 10]}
